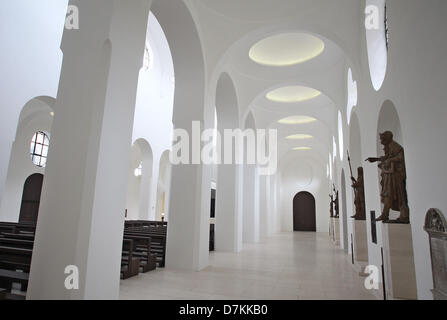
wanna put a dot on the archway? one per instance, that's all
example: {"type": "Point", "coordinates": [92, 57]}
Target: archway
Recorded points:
{"type": "Point", "coordinates": [188, 228]}
{"type": "Point", "coordinates": [36, 116]}
{"type": "Point", "coordinates": [251, 217]}
{"type": "Point", "coordinates": [304, 214]}
{"type": "Point", "coordinates": [163, 187]}
{"type": "Point", "coordinates": [228, 228]}
{"type": "Point", "coordinates": [32, 190]}
{"type": "Point", "coordinates": [388, 121]}
{"type": "Point", "coordinates": [139, 182]}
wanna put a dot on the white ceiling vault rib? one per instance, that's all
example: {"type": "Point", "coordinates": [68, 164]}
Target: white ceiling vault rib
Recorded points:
{"type": "Point", "coordinates": [279, 45]}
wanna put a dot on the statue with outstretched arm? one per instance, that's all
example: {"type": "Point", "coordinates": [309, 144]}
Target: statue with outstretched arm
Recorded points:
{"type": "Point", "coordinates": [393, 179]}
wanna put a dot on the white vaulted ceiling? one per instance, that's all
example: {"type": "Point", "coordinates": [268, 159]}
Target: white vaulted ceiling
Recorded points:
{"type": "Point", "coordinates": [288, 60]}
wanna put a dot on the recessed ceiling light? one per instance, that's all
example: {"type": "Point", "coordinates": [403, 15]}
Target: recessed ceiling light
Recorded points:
{"type": "Point", "coordinates": [302, 149]}
{"type": "Point", "coordinates": [299, 137]}
{"type": "Point", "coordinates": [292, 94]}
{"type": "Point", "coordinates": [52, 113]}
{"type": "Point", "coordinates": [286, 49]}
{"type": "Point", "coordinates": [297, 120]}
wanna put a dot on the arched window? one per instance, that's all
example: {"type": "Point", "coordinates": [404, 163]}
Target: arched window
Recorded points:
{"type": "Point", "coordinates": [387, 32]}
{"type": "Point", "coordinates": [138, 172]}
{"type": "Point", "coordinates": [39, 148]}
{"type": "Point", "coordinates": [148, 61]}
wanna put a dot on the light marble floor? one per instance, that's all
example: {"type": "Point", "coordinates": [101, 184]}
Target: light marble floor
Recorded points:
{"type": "Point", "coordinates": [286, 266]}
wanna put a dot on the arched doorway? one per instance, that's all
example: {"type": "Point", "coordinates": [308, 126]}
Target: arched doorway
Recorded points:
{"type": "Point", "coordinates": [32, 189]}
{"type": "Point", "coordinates": [304, 215]}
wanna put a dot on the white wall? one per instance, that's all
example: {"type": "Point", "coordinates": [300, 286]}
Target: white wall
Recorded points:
{"type": "Point", "coordinates": [37, 118]}
{"type": "Point", "coordinates": [154, 106]}
{"type": "Point", "coordinates": [415, 83]}
{"type": "Point", "coordinates": [304, 174]}
{"type": "Point", "coordinates": [30, 33]}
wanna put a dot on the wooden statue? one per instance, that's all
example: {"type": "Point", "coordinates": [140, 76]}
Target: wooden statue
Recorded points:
{"type": "Point", "coordinates": [359, 192]}
{"type": "Point", "coordinates": [393, 179]}
{"type": "Point", "coordinates": [336, 204]}
{"type": "Point", "coordinates": [331, 205]}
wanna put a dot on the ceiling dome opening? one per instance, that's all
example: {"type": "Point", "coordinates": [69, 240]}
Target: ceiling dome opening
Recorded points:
{"type": "Point", "coordinates": [286, 49]}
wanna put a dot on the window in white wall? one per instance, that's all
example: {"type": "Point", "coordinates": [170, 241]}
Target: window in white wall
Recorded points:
{"type": "Point", "coordinates": [139, 170]}
{"type": "Point", "coordinates": [334, 149]}
{"type": "Point", "coordinates": [340, 135]}
{"type": "Point", "coordinates": [377, 40]}
{"type": "Point", "coordinates": [352, 94]}
{"type": "Point", "coordinates": [39, 148]}
{"type": "Point", "coordinates": [330, 166]}
{"type": "Point", "coordinates": [148, 61]}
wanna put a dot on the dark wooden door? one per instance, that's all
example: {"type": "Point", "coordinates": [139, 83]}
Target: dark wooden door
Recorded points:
{"type": "Point", "coordinates": [304, 215]}
{"type": "Point", "coordinates": [31, 198]}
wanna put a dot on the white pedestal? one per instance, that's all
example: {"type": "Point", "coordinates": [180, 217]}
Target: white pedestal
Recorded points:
{"type": "Point", "coordinates": [400, 275]}
{"type": "Point", "coordinates": [336, 230]}
{"type": "Point", "coordinates": [360, 241]}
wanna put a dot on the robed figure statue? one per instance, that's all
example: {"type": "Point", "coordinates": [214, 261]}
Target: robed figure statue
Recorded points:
{"type": "Point", "coordinates": [393, 179]}
{"type": "Point", "coordinates": [359, 195]}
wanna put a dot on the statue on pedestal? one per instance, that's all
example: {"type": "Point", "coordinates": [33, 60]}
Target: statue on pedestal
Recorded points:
{"type": "Point", "coordinates": [331, 205]}
{"type": "Point", "coordinates": [336, 204]}
{"type": "Point", "coordinates": [359, 192]}
{"type": "Point", "coordinates": [393, 179]}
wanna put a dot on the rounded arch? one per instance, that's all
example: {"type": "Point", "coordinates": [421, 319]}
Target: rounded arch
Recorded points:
{"type": "Point", "coordinates": [36, 107]}
{"type": "Point", "coordinates": [147, 157]}
{"type": "Point", "coordinates": [376, 41]}
{"type": "Point", "coordinates": [352, 91]}
{"type": "Point", "coordinates": [32, 190]}
{"type": "Point", "coordinates": [389, 121]}
{"type": "Point", "coordinates": [304, 213]}
{"type": "Point", "coordinates": [355, 142]}
{"type": "Point", "coordinates": [227, 107]}
{"type": "Point", "coordinates": [163, 186]}
{"type": "Point", "coordinates": [187, 57]}
{"type": "Point", "coordinates": [249, 122]}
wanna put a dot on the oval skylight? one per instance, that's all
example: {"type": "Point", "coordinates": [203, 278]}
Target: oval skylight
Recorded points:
{"type": "Point", "coordinates": [299, 137]}
{"type": "Point", "coordinates": [297, 120]}
{"type": "Point", "coordinates": [286, 49]}
{"type": "Point", "coordinates": [292, 94]}
{"type": "Point", "coordinates": [302, 149]}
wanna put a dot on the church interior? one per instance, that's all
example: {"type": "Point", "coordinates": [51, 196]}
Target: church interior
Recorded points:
{"type": "Point", "coordinates": [347, 97]}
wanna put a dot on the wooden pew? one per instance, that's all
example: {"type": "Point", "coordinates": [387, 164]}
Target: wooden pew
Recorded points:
{"type": "Point", "coordinates": [158, 244]}
{"type": "Point", "coordinates": [130, 265]}
{"type": "Point", "coordinates": [142, 250]}
{"type": "Point", "coordinates": [15, 264]}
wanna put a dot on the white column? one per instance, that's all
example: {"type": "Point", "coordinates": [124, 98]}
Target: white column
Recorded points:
{"type": "Point", "coordinates": [251, 205]}
{"type": "Point", "coordinates": [6, 144]}
{"type": "Point", "coordinates": [227, 225]}
{"type": "Point", "coordinates": [82, 209]}
{"type": "Point", "coordinates": [145, 190]}
{"type": "Point", "coordinates": [263, 206]}
{"type": "Point", "coordinates": [189, 214]}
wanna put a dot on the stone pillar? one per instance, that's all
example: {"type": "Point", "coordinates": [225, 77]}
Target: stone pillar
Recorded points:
{"type": "Point", "coordinates": [189, 213]}
{"type": "Point", "coordinates": [251, 207]}
{"type": "Point", "coordinates": [81, 216]}
{"type": "Point", "coordinates": [145, 189]}
{"type": "Point", "coordinates": [263, 206]}
{"type": "Point", "coordinates": [227, 222]}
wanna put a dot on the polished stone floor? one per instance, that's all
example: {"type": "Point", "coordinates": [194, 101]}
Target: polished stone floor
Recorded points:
{"type": "Point", "coordinates": [284, 266]}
